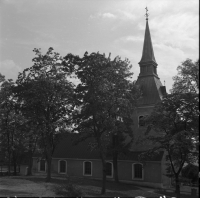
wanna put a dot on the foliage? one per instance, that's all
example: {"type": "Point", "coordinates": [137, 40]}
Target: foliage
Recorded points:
{"type": "Point", "coordinates": [187, 79]}
{"type": "Point", "coordinates": [46, 99]}
{"type": "Point", "coordinates": [191, 172]}
{"type": "Point", "coordinates": [175, 121]}
{"type": "Point", "coordinates": [11, 123]}
{"type": "Point", "coordinates": [68, 189]}
{"type": "Point", "coordinates": [105, 98]}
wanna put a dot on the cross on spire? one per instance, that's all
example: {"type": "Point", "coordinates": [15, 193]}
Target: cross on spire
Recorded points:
{"type": "Point", "coordinates": [147, 14]}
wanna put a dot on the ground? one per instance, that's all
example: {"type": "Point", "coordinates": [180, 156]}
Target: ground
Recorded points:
{"type": "Point", "coordinates": [11, 186]}
{"type": "Point", "coordinates": [35, 186]}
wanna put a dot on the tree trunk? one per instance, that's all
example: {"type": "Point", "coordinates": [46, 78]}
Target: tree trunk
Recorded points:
{"type": "Point", "coordinates": [48, 178]}
{"type": "Point", "coordinates": [177, 187]}
{"type": "Point", "coordinates": [103, 157]}
{"type": "Point", "coordinates": [48, 158]}
{"type": "Point", "coordinates": [9, 166]}
{"type": "Point", "coordinates": [15, 168]}
{"type": "Point", "coordinates": [14, 162]}
{"type": "Point", "coordinates": [103, 189]}
{"type": "Point", "coordinates": [115, 166]}
{"type": "Point", "coordinates": [30, 162]}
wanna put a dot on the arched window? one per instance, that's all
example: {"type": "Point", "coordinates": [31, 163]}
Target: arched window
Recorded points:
{"type": "Point", "coordinates": [87, 168]}
{"type": "Point", "coordinates": [62, 166]}
{"type": "Point", "coordinates": [141, 120]}
{"type": "Point", "coordinates": [109, 169]}
{"type": "Point", "coordinates": [42, 165]}
{"type": "Point", "coordinates": [137, 171]}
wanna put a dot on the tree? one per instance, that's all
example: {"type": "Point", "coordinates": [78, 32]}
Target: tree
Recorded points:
{"type": "Point", "coordinates": [11, 141]}
{"type": "Point", "coordinates": [120, 144]}
{"type": "Point", "coordinates": [175, 119]}
{"type": "Point", "coordinates": [46, 98]}
{"type": "Point", "coordinates": [6, 118]}
{"type": "Point", "coordinates": [105, 99]}
{"type": "Point", "coordinates": [31, 133]}
{"type": "Point", "coordinates": [191, 172]}
{"type": "Point", "coordinates": [175, 122]}
{"type": "Point", "coordinates": [187, 80]}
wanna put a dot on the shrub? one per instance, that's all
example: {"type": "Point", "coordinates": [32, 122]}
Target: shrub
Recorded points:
{"type": "Point", "coordinates": [68, 189]}
{"type": "Point", "coordinates": [191, 172]}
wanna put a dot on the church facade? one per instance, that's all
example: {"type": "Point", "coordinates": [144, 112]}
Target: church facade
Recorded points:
{"type": "Point", "coordinates": [78, 160]}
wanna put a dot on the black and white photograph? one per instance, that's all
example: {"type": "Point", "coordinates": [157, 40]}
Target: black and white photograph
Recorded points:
{"type": "Point", "coordinates": [99, 98]}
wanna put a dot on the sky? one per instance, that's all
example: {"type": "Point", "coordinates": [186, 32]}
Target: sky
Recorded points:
{"type": "Point", "coordinates": [107, 26]}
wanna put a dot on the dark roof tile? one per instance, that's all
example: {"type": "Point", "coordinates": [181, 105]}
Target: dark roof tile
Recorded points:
{"type": "Point", "coordinates": [67, 149]}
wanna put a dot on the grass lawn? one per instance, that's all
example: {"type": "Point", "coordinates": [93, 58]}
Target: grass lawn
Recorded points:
{"type": "Point", "coordinates": [11, 186]}
{"type": "Point", "coordinates": [92, 188]}
{"type": "Point", "coordinates": [73, 187]}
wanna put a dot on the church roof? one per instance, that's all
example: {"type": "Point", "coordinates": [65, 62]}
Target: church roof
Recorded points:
{"type": "Point", "coordinates": [147, 54]}
{"type": "Point", "coordinates": [151, 88]}
{"type": "Point", "coordinates": [67, 149]}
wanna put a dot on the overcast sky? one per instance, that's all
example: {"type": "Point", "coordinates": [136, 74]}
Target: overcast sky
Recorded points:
{"type": "Point", "coordinates": [116, 26]}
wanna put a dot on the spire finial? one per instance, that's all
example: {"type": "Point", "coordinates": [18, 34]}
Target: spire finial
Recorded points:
{"type": "Point", "coordinates": [146, 13]}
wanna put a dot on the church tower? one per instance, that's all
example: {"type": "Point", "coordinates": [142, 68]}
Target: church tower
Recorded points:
{"type": "Point", "coordinates": [148, 78]}
{"type": "Point", "coordinates": [151, 87]}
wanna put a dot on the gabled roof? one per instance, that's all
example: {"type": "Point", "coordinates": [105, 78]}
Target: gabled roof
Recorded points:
{"type": "Point", "coordinates": [67, 150]}
{"type": "Point", "coordinates": [147, 53]}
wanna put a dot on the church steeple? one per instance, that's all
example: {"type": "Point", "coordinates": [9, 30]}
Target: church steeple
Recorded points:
{"type": "Point", "coordinates": [148, 65]}
{"type": "Point", "coordinates": [148, 80]}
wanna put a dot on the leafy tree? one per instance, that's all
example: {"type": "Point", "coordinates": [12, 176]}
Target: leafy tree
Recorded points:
{"type": "Point", "coordinates": [46, 99]}
{"type": "Point", "coordinates": [187, 79]}
{"type": "Point", "coordinates": [31, 133]}
{"type": "Point", "coordinates": [174, 120]}
{"type": "Point", "coordinates": [187, 82]}
{"type": "Point", "coordinates": [6, 114]}
{"type": "Point", "coordinates": [2, 78]}
{"type": "Point", "coordinates": [191, 172]}
{"type": "Point", "coordinates": [10, 120]}
{"type": "Point", "coordinates": [105, 99]}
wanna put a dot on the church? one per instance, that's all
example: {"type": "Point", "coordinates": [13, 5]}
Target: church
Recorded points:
{"type": "Point", "coordinates": [79, 160]}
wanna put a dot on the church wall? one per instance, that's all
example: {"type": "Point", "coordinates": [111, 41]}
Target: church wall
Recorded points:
{"type": "Point", "coordinates": [138, 131]}
{"type": "Point", "coordinates": [125, 170]}
{"type": "Point", "coordinates": [152, 170]}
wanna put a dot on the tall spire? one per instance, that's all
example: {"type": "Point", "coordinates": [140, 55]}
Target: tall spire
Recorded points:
{"type": "Point", "coordinates": [147, 54]}
{"type": "Point", "coordinates": [147, 63]}
{"type": "Point", "coordinates": [148, 80]}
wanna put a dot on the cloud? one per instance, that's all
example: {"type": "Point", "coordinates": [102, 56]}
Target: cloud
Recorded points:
{"type": "Point", "coordinates": [126, 15]}
{"type": "Point", "coordinates": [9, 69]}
{"type": "Point", "coordinates": [168, 58]}
{"type": "Point", "coordinates": [130, 39]}
{"type": "Point", "coordinates": [106, 15]}
{"type": "Point", "coordinates": [116, 14]}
